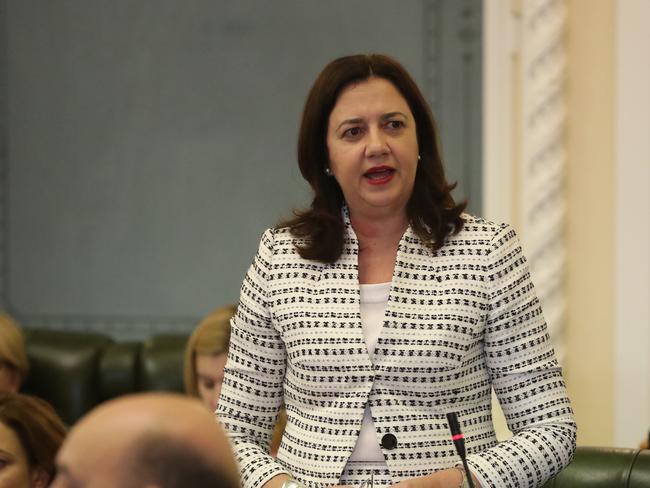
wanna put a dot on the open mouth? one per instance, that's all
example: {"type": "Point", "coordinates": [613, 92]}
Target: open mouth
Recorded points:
{"type": "Point", "coordinates": [379, 174]}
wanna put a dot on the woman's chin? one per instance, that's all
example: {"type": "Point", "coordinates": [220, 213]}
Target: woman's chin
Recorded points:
{"type": "Point", "coordinates": [386, 206]}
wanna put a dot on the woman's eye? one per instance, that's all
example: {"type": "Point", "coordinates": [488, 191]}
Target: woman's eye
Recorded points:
{"type": "Point", "coordinates": [352, 132]}
{"type": "Point", "coordinates": [395, 124]}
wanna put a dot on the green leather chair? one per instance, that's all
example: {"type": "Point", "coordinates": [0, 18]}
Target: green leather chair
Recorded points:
{"type": "Point", "coordinates": [605, 467]}
{"type": "Point", "coordinates": [75, 371]}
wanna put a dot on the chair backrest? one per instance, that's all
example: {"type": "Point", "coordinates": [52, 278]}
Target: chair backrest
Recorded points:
{"type": "Point", "coordinates": [161, 363]}
{"type": "Point", "coordinates": [75, 371]}
{"type": "Point", "coordinates": [64, 370]}
{"type": "Point", "coordinates": [605, 467]}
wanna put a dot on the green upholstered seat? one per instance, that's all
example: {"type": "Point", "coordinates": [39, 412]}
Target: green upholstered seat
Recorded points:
{"type": "Point", "coordinates": [75, 371]}
{"type": "Point", "coordinates": [605, 467]}
{"type": "Point", "coordinates": [162, 363]}
{"type": "Point", "coordinates": [64, 369]}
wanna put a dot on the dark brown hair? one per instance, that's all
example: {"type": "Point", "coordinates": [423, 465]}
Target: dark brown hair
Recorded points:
{"type": "Point", "coordinates": [37, 426]}
{"type": "Point", "coordinates": [431, 210]}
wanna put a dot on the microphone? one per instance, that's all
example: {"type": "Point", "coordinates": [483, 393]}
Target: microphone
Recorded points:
{"type": "Point", "coordinates": [459, 441]}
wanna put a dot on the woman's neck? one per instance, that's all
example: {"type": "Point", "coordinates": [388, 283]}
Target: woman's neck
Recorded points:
{"type": "Point", "coordinates": [378, 241]}
{"type": "Point", "coordinates": [378, 233]}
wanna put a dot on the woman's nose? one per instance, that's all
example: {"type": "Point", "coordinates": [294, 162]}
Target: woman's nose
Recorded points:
{"type": "Point", "coordinates": [377, 145]}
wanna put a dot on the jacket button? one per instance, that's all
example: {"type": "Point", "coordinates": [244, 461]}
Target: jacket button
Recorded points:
{"type": "Point", "coordinates": [389, 441]}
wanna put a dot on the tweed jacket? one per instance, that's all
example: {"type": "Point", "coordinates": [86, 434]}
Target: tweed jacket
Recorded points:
{"type": "Point", "coordinates": [459, 322]}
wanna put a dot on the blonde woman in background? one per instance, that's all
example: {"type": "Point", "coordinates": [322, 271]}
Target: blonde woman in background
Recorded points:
{"type": "Point", "coordinates": [205, 357]}
{"type": "Point", "coordinates": [14, 364]}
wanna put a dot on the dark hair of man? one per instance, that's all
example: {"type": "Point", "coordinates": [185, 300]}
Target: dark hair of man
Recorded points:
{"type": "Point", "coordinates": [432, 212]}
{"type": "Point", "coordinates": [37, 426]}
{"type": "Point", "coordinates": [158, 460]}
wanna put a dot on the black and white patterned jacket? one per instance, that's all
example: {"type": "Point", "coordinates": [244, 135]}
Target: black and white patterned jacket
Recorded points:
{"type": "Point", "coordinates": [459, 322]}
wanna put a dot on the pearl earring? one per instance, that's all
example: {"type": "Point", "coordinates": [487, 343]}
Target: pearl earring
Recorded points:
{"type": "Point", "coordinates": [419, 158]}
{"type": "Point", "coordinates": [328, 172]}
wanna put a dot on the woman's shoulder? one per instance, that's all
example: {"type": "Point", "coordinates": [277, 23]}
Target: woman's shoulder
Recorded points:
{"type": "Point", "coordinates": [280, 233]}
{"type": "Point", "coordinates": [477, 231]}
{"type": "Point", "coordinates": [280, 239]}
{"type": "Point", "coordinates": [476, 224]}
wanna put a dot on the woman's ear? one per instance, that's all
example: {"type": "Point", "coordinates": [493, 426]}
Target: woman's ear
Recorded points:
{"type": "Point", "coordinates": [40, 478]}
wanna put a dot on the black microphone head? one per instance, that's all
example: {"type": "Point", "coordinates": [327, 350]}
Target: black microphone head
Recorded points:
{"type": "Point", "coordinates": [454, 426]}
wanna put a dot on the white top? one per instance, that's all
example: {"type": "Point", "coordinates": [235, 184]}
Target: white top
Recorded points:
{"type": "Point", "coordinates": [373, 306]}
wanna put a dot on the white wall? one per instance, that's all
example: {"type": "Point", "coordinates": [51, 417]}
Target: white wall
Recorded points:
{"type": "Point", "coordinates": [499, 42]}
{"type": "Point", "coordinates": [632, 216]}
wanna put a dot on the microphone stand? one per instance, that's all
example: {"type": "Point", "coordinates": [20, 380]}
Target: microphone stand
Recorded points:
{"type": "Point", "coordinates": [459, 441]}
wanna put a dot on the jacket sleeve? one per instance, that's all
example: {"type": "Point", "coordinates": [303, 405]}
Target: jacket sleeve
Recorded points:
{"type": "Point", "coordinates": [252, 391]}
{"type": "Point", "coordinates": [526, 377]}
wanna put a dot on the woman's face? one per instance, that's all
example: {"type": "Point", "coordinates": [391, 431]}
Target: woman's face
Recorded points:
{"type": "Point", "coordinates": [373, 148]}
{"type": "Point", "coordinates": [209, 375]}
{"type": "Point", "coordinates": [9, 380]}
{"type": "Point", "coordinates": [14, 470]}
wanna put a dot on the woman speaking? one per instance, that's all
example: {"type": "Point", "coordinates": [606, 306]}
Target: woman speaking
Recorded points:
{"type": "Point", "coordinates": [382, 308]}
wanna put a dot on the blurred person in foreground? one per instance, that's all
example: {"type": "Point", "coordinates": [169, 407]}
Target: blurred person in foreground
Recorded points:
{"type": "Point", "coordinates": [382, 307]}
{"type": "Point", "coordinates": [14, 364]}
{"type": "Point", "coordinates": [157, 440]}
{"type": "Point", "coordinates": [205, 357]}
{"type": "Point", "coordinates": [30, 436]}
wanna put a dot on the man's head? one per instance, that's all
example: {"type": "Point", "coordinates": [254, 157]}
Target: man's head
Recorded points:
{"type": "Point", "coordinates": [147, 440]}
